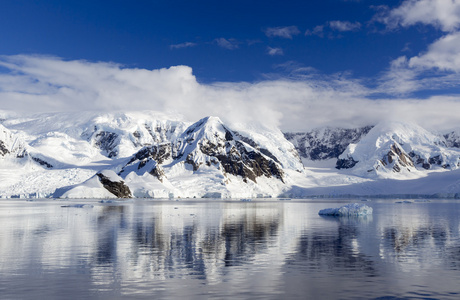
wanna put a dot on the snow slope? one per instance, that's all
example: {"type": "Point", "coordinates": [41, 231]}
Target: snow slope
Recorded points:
{"type": "Point", "coordinates": [398, 150]}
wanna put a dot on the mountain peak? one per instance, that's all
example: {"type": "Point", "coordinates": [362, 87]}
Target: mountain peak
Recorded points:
{"type": "Point", "coordinates": [393, 147]}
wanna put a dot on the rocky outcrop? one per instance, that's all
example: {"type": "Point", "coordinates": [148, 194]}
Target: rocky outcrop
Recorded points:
{"type": "Point", "coordinates": [427, 164]}
{"type": "Point", "coordinates": [209, 142]}
{"type": "Point", "coordinates": [104, 140]}
{"type": "Point", "coordinates": [3, 149]}
{"type": "Point", "coordinates": [325, 143]}
{"type": "Point", "coordinates": [149, 159]}
{"type": "Point", "coordinates": [116, 187]}
{"type": "Point", "coordinates": [345, 163]}
{"type": "Point", "coordinates": [397, 158]}
{"type": "Point", "coordinates": [397, 147]}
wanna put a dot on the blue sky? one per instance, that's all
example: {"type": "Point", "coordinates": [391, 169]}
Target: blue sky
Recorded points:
{"type": "Point", "coordinates": [356, 50]}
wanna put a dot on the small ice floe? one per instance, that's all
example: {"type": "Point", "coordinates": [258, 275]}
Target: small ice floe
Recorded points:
{"type": "Point", "coordinates": [79, 205]}
{"type": "Point", "coordinates": [116, 201]}
{"type": "Point", "coordinates": [246, 200]}
{"type": "Point", "coordinates": [352, 209]}
{"type": "Point", "coordinates": [405, 201]}
{"type": "Point", "coordinates": [365, 200]}
{"type": "Point", "coordinates": [107, 201]}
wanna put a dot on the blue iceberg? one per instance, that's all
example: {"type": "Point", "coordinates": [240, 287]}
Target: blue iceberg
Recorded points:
{"type": "Point", "coordinates": [352, 209]}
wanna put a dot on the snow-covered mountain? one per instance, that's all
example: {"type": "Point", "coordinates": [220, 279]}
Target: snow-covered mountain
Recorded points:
{"type": "Point", "coordinates": [11, 145]}
{"type": "Point", "coordinates": [225, 160]}
{"type": "Point", "coordinates": [395, 149]}
{"type": "Point", "coordinates": [325, 143]}
{"type": "Point", "coordinates": [148, 154]}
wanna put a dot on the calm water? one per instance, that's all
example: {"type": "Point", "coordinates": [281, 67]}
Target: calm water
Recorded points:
{"type": "Point", "coordinates": [149, 249]}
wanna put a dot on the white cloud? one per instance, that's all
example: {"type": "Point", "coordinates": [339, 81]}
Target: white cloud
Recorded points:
{"type": "Point", "coordinates": [183, 45]}
{"type": "Point", "coordinates": [344, 25]}
{"type": "Point", "coordinates": [274, 51]}
{"type": "Point", "coordinates": [39, 84]}
{"type": "Point", "coordinates": [331, 26]}
{"type": "Point", "coordinates": [443, 14]}
{"type": "Point", "coordinates": [286, 32]}
{"type": "Point", "coordinates": [443, 54]}
{"type": "Point", "coordinates": [230, 44]}
{"type": "Point", "coordinates": [318, 30]}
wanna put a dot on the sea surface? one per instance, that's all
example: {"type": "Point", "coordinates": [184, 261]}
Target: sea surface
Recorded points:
{"type": "Point", "coordinates": [217, 249]}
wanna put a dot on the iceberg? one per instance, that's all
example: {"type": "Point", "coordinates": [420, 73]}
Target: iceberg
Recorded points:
{"type": "Point", "coordinates": [352, 209]}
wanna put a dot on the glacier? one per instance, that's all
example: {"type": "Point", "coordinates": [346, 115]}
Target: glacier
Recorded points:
{"type": "Point", "coordinates": [154, 155]}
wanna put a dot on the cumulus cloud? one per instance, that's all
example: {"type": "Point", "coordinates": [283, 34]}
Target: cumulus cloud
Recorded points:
{"type": "Point", "coordinates": [344, 25]}
{"type": "Point", "coordinates": [443, 54]}
{"type": "Point", "coordinates": [443, 14]}
{"type": "Point", "coordinates": [183, 45]}
{"type": "Point", "coordinates": [230, 44]}
{"type": "Point", "coordinates": [318, 30]}
{"type": "Point", "coordinates": [331, 26]}
{"type": "Point", "coordinates": [43, 84]}
{"type": "Point", "coordinates": [274, 51]}
{"type": "Point", "coordinates": [286, 32]}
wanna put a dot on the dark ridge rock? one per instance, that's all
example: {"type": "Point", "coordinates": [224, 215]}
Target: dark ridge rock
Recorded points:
{"type": "Point", "coordinates": [269, 154]}
{"type": "Point", "coordinates": [247, 140]}
{"type": "Point", "coordinates": [452, 140]}
{"type": "Point", "coordinates": [196, 126]}
{"type": "Point", "coordinates": [418, 161]}
{"type": "Point", "coordinates": [136, 134]}
{"type": "Point", "coordinates": [345, 163]}
{"type": "Point", "coordinates": [327, 143]}
{"type": "Point", "coordinates": [158, 173]}
{"type": "Point", "coordinates": [189, 160]}
{"type": "Point", "coordinates": [233, 153]}
{"type": "Point", "coordinates": [3, 149]}
{"type": "Point", "coordinates": [107, 141]}
{"type": "Point", "coordinates": [248, 164]}
{"type": "Point", "coordinates": [397, 155]}
{"type": "Point", "coordinates": [118, 188]}
{"type": "Point", "coordinates": [159, 153]}
{"type": "Point", "coordinates": [42, 162]}
{"type": "Point", "coordinates": [435, 160]}
{"type": "Point", "coordinates": [228, 136]}
{"type": "Point", "coordinates": [156, 154]}
{"type": "Point", "coordinates": [438, 160]}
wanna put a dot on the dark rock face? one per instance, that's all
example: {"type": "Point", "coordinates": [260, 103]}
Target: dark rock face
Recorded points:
{"type": "Point", "coordinates": [153, 155]}
{"type": "Point", "coordinates": [452, 140]}
{"type": "Point", "coordinates": [397, 155]}
{"type": "Point", "coordinates": [208, 143]}
{"type": "Point", "coordinates": [159, 153]}
{"type": "Point", "coordinates": [427, 164]}
{"type": "Point", "coordinates": [3, 149]}
{"type": "Point", "coordinates": [107, 141]}
{"type": "Point", "coordinates": [228, 150]}
{"type": "Point", "coordinates": [42, 162]}
{"type": "Point", "coordinates": [325, 143]}
{"type": "Point", "coordinates": [345, 163]}
{"type": "Point", "coordinates": [248, 164]}
{"type": "Point", "coordinates": [119, 189]}
{"type": "Point", "coordinates": [418, 161]}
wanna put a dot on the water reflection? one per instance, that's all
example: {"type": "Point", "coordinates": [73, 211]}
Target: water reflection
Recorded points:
{"type": "Point", "coordinates": [339, 248]}
{"type": "Point", "coordinates": [227, 249]}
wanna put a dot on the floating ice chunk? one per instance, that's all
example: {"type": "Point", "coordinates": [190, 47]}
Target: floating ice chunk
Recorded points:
{"type": "Point", "coordinates": [352, 209]}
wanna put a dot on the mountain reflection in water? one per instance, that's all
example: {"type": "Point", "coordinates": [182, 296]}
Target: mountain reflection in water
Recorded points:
{"type": "Point", "coordinates": [223, 249]}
